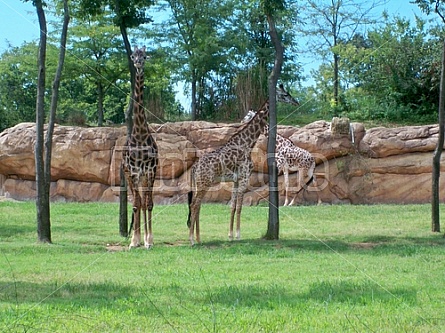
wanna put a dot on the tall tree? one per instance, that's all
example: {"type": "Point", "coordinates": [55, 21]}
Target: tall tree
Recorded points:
{"type": "Point", "coordinates": [43, 165]}
{"type": "Point", "coordinates": [331, 22]}
{"type": "Point", "coordinates": [224, 47]}
{"type": "Point", "coordinates": [439, 7]}
{"type": "Point", "coordinates": [435, 214]}
{"type": "Point", "coordinates": [96, 42]}
{"type": "Point", "coordinates": [42, 199]}
{"type": "Point", "coordinates": [199, 48]}
{"type": "Point", "coordinates": [271, 10]}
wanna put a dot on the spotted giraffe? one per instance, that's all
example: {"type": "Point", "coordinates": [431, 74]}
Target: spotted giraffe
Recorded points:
{"type": "Point", "coordinates": [140, 159]}
{"type": "Point", "coordinates": [231, 162]}
{"type": "Point", "coordinates": [289, 157]}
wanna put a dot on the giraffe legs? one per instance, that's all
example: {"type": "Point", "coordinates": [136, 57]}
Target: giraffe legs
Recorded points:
{"type": "Point", "coordinates": [286, 186]}
{"type": "Point", "coordinates": [143, 204]}
{"type": "Point", "coordinates": [136, 220]}
{"type": "Point", "coordinates": [236, 207]}
{"type": "Point", "coordinates": [233, 208]}
{"type": "Point", "coordinates": [302, 178]}
{"type": "Point", "coordinates": [305, 176]}
{"type": "Point", "coordinates": [148, 208]}
{"type": "Point", "coordinates": [239, 206]}
{"type": "Point", "coordinates": [195, 207]}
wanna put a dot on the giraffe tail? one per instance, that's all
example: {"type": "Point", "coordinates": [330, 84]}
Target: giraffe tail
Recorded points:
{"type": "Point", "coordinates": [190, 197]}
{"type": "Point", "coordinates": [306, 184]}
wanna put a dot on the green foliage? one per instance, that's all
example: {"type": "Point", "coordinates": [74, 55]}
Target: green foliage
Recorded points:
{"type": "Point", "coordinates": [161, 103]}
{"type": "Point", "coordinates": [212, 43]}
{"type": "Point", "coordinates": [335, 269]}
{"type": "Point", "coordinates": [272, 7]}
{"type": "Point", "coordinates": [18, 85]}
{"type": "Point", "coordinates": [429, 6]}
{"type": "Point", "coordinates": [129, 13]}
{"type": "Point", "coordinates": [391, 74]}
{"type": "Point", "coordinates": [96, 62]}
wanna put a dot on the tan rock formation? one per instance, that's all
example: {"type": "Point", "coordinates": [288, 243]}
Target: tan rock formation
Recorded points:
{"type": "Point", "coordinates": [383, 142]}
{"type": "Point", "coordinates": [391, 165]}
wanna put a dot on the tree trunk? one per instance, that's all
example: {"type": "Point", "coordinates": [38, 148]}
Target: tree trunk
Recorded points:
{"type": "Point", "coordinates": [435, 225]}
{"type": "Point", "coordinates": [100, 104]}
{"type": "Point", "coordinates": [336, 79]}
{"type": "Point", "coordinates": [129, 112]}
{"type": "Point", "coordinates": [194, 115]}
{"type": "Point", "coordinates": [43, 165]}
{"type": "Point", "coordinates": [42, 199]}
{"type": "Point", "coordinates": [273, 226]}
{"type": "Point", "coordinates": [123, 193]}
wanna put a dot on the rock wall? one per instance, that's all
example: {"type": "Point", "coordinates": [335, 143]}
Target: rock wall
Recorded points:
{"type": "Point", "coordinates": [380, 165]}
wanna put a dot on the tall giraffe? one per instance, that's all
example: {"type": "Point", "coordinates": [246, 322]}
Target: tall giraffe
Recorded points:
{"type": "Point", "coordinates": [289, 157]}
{"type": "Point", "coordinates": [231, 162]}
{"type": "Point", "coordinates": [140, 159]}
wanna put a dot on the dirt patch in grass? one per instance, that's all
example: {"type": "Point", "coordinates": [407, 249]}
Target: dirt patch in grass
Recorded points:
{"type": "Point", "coordinates": [4, 198]}
{"type": "Point", "coordinates": [116, 247]}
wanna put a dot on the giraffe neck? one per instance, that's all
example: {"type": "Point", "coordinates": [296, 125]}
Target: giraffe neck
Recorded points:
{"type": "Point", "coordinates": [280, 139]}
{"type": "Point", "coordinates": [139, 119]}
{"type": "Point", "coordinates": [248, 135]}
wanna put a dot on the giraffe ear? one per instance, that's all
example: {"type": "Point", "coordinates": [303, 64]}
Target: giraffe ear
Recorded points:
{"type": "Point", "coordinates": [146, 56]}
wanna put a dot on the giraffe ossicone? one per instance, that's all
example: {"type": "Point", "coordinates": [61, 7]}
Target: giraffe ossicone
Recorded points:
{"type": "Point", "coordinates": [140, 159]}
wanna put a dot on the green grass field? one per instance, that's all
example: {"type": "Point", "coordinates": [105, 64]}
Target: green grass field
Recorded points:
{"type": "Point", "coordinates": [335, 269]}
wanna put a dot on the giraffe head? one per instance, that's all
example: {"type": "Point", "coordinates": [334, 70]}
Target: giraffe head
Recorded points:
{"type": "Point", "coordinates": [138, 57]}
{"type": "Point", "coordinates": [262, 114]}
{"type": "Point", "coordinates": [282, 96]}
{"type": "Point", "coordinates": [285, 97]}
{"type": "Point", "coordinates": [248, 117]}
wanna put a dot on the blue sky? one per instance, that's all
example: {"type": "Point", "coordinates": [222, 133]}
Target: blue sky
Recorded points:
{"type": "Point", "coordinates": [18, 20]}
{"type": "Point", "coordinates": [18, 23]}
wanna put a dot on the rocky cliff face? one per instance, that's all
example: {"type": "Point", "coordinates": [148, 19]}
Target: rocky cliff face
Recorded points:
{"type": "Point", "coordinates": [380, 165]}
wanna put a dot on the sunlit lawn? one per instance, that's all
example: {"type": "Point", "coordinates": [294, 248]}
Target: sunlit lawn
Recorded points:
{"type": "Point", "coordinates": [334, 269]}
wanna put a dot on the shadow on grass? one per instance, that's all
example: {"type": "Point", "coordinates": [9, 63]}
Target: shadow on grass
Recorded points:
{"type": "Point", "coordinates": [81, 295]}
{"type": "Point", "coordinates": [371, 245]}
{"type": "Point", "coordinates": [125, 298]}
{"type": "Point", "coordinates": [27, 306]}
{"type": "Point", "coordinates": [12, 230]}
{"type": "Point", "coordinates": [255, 246]}
{"type": "Point", "coordinates": [356, 293]}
